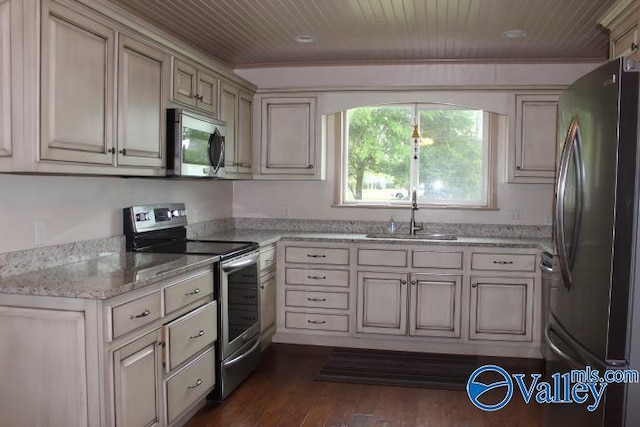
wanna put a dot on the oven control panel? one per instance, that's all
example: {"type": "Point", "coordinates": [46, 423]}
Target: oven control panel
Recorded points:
{"type": "Point", "coordinates": [155, 217]}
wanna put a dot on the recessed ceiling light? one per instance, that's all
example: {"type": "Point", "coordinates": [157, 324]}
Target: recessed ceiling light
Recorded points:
{"type": "Point", "coordinates": [515, 34]}
{"type": "Point", "coordinates": [305, 38]}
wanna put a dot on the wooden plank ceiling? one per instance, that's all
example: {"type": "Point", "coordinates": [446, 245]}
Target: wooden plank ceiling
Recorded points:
{"type": "Point", "coordinates": [251, 33]}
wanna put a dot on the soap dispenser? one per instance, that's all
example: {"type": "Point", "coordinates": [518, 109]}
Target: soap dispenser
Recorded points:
{"type": "Point", "coordinates": [391, 226]}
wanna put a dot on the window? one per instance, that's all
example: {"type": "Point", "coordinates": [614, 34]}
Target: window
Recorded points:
{"type": "Point", "coordinates": [440, 151]}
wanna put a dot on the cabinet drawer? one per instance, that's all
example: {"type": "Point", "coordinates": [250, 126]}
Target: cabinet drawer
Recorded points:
{"type": "Point", "coordinates": [503, 262]}
{"type": "Point", "coordinates": [317, 299]}
{"type": "Point", "coordinates": [190, 384]}
{"type": "Point", "coordinates": [191, 333]}
{"type": "Point", "coordinates": [267, 259]}
{"type": "Point", "coordinates": [316, 277]}
{"type": "Point", "coordinates": [187, 291]}
{"type": "Point", "coordinates": [436, 259]}
{"type": "Point", "coordinates": [136, 313]}
{"type": "Point", "coordinates": [382, 257]}
{"type": "Point", "coordinates": [320, 322]}
{"type": "Point", "coordinates": [308, 255]}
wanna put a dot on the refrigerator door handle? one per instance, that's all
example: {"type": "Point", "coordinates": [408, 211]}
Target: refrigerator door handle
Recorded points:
{"type": "Point", "coordinates": [572, 149]}
{"type": "Point", "coordinates": [558, 352]}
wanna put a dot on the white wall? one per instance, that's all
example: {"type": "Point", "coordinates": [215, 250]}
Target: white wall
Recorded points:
{"type": "Point", "coordinates": [83, 208]}
{"type": "Point", "coordinates": [341, 87]}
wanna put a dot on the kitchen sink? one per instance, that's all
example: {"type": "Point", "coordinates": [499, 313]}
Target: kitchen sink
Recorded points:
{"type": "Point", "coordinates": [418, 236]}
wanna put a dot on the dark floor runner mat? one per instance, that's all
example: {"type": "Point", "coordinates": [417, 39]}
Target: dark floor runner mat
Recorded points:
{"type": "Point", "coordinates": [408, 369]}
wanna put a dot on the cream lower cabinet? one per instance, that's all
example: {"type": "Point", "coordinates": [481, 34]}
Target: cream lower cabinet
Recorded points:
{"type": "Point", "coordinates": [314, 290]}
{"type": "Point", "coordinates": [267, 293]}
{"type": "Point", "coordinates": [504, 299]}
{"type": "Point", "coordinates": [138, 380]}
{"type": "Point", "coordinates": [400, 303]}
{"type": "Point", "coordinates": [49, 370]}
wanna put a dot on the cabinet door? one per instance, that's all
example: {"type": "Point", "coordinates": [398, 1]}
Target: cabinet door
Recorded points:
{"type": "Point", "coordinates": [382, 303]}
{"type": "Point", "coordinates": [244, 152]}
{"type": "Point", "coordinates": [43, 368]}
{"type": "Point", "coordinates": [532, 153]}
{"type": "Point", "coordinates": [141, 110]}
{"type": "Point", "coordinates": [5, 77]}
{"type": "Point", "coordinates": [228, 112]}
{"type": "Point", "coordinates": [184, 82]}
{"type": "Point", "coordinates": [206, 92]}
{"type": "Point", "coordinates": [267, 303]}
{"type": "Point", "coordinates": [435, 305]}
{"type": "Point", "coordinates": [623, 39]}
{"type": "Point", "coordinates": [137, 378]}
{"type": "Point", "coordinates": [76, 87]}
{"type": "Point", "coordinates": [288, 142]}
{"type": "Point", "coordinates": [501, 308]}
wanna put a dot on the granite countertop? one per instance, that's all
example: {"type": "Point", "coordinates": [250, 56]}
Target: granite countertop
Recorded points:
{"type": "Point", "coordinates": [268, 237]}
{"type": "Point", "coordinates": [110, 275]}
{"type": "Point", "coordinates": [102, 277]}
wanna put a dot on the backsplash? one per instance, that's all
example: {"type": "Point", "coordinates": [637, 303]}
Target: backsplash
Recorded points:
{"type": "Point", "coordinates": [365, 227]}
{"type": "Point", "coordinates": [18, 262]}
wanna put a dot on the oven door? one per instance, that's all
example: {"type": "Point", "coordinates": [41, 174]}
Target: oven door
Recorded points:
{"type": "Point", "coordinates": [239, 303]}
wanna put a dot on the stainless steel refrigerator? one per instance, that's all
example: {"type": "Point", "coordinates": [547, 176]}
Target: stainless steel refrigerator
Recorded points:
{"type": "Point", "coordinates": [594, 314]}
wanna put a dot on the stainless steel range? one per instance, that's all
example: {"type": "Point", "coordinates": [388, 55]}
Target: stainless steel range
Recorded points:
{"type": "Point", "coordinates": [162, 228]}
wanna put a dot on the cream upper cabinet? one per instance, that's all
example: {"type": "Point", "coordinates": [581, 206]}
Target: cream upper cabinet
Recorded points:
{"type": "Point", "coordinates": [77, 59]}
{"type": "Point", "coordinates": [532, 147]}
{"type": "Point", "coordinates": [235, 111]}
{"type": "Point", "coordinates": [622, 21]}
{"type": "Point", "coordinates": [195, 86]}
{"type": "Point", "coordinates": [142, 74]}
{"type": "Point", "coordinates": [6, 42]}
{"type": "Point", "coordinates": [289, 145]}
{"type": "Point", "coordinates": [137, 382]}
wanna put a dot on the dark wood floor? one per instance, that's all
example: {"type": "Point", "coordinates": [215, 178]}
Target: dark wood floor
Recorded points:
{"type": "Point", "coordinates": [282, 392]}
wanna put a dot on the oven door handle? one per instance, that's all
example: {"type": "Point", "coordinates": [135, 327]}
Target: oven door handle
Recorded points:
{"type": "Point", "coordinates": [237, 359]}
{"type": "Point", "coordinates": [239, 264]}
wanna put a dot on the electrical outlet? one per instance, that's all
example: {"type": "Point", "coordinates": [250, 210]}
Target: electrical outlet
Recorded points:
{"type": "Point", "coordinates": [40, 232]}
{"type": "Point", "coordinates": [516, 215]}
{"type": "Point", "coordinates": [286, 211]}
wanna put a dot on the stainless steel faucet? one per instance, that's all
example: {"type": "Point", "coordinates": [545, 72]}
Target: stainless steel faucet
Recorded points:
{"type": "Point", "coordinates": [414, 207]}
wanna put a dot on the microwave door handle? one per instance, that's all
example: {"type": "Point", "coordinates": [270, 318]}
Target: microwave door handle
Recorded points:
{"type": "Point", "coordinates": [216, 157]}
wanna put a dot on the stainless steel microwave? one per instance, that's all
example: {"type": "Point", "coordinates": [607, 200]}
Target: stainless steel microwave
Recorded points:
{"type": "Point", "coordinates": [195, 145]}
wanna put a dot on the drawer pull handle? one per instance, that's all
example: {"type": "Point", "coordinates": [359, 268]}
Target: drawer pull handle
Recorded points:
{"type": "Point", "coordinates": [317, 299]}
{"type": "Point", "coordinates": [248, 297]}
{"type": "Point", "coordinates": [193, 337]}
{"type": "Point", "coordinates": [145, 313]}
{"type": "Point", "coordinates": [195, 291]}
{"type": "Point", "coordinates": [269, 260]}
{"type": "Point", "coordinates": [317, 277]}
{"type": "Point", "coordinates": [197, 384]}
{"type": "Point", "coordinates": [316, 322]}
{"type": "Point", "coordinates": [248, 318]}
{"type": "Point", "coordinates": [503, 262]}
{"type": "Point", "coordinates": [316, 256]}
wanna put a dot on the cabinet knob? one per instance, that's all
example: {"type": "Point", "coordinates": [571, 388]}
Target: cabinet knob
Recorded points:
{"type": "Point", "coordinates": [634, 46]}
{"type": "Point", "coordinates": [413, 282]}
{"type": "Point", "coordinates": [403, 282]}
{"type": "Point", "coordinates": [261, 286]}
{"type": "Point", "coordinates": [111, 150]}
{"type": "Point", "coordinates": [310, 167]}
{"type": "Point", "coordinates": [198, 97]}
{"type": "Point", "coordinates": [123, 151]}
{"type": "Point", "coordinates": [518, 168]}
{"type": "Point", "coordinates": [473, 285]}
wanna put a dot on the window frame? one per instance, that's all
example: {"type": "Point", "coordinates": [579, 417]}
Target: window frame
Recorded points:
{"type": "Point", "coordinates": [492, 132]}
